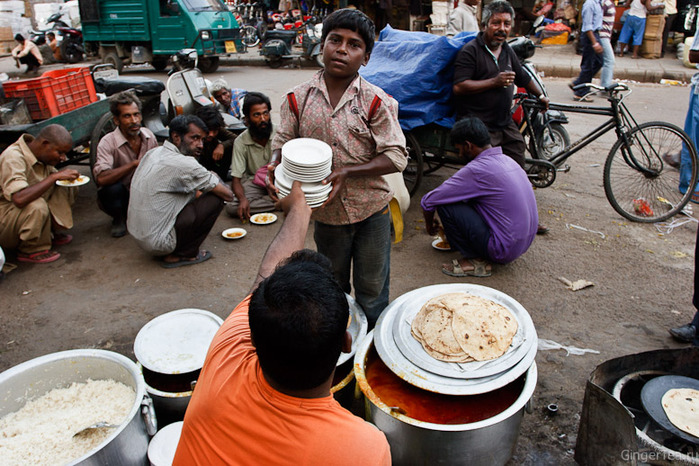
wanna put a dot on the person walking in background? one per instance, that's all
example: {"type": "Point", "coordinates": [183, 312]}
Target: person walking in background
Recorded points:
{"type": "Point", "coordinates": [592, 49]}
{"type": "Point", "coordinates": [605, 38]}
{"type": "Point", "coordinates": [463, 18]}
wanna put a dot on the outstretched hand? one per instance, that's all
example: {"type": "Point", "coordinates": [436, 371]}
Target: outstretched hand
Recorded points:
{"type": "Point", "coordinates": [269, 183]}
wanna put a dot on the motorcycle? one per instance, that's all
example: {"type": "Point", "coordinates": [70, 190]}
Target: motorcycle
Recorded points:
{"type": "Point", "coordinates": [72, 49]}
{"type": "Point", "coordinates": [277, 45]}
{"type": "Point", "coordinates": [551, 136]}
{"type": "Point", "coordinates": [39, 37]}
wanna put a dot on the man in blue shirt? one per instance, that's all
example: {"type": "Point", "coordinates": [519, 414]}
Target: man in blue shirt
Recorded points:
{"type": "Point", "coordinates": [487, 208]}
{"type": "Point", "coordinates": [591, 47]}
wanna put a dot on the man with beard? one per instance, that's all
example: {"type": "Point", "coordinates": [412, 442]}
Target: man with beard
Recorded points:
{"type": "Point", "coordinates": [174, 200]}
{"type": "Point", "coordinates": [252, 150]}
{"type": "Point", "coordinates": [218, 143]}
{"type": "Point", "coordinates": [118, 155]}
{"type": "Point", "coordinates": [484, 73]}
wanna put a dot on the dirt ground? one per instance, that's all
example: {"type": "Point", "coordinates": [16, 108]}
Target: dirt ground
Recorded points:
{"type": "Point", "coordinates": [104, 290]}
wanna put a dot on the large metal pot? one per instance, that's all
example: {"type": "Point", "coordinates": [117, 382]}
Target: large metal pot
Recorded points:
{"type": "Point", "coordinates": [488, 442]}
{"type": "Point", "coordinates": [128, 444]}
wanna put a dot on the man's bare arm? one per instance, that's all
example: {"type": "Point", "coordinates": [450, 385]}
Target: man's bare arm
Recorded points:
{"type": "Point", "coordinates": [112, 175]}
{"type": "Point", "coordinates": [31, 193]}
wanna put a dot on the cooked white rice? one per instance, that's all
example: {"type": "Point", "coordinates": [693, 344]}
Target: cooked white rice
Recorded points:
{"type": "Point", "coordinates": [41, 433]}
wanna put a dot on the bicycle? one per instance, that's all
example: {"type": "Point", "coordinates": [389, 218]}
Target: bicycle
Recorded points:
{"type": "Point", "coordinates": [641, 173]}
{"type": "Point", "coordinates": [249, 17]}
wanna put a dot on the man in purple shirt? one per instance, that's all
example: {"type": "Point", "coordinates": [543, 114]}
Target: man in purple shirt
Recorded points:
{"type": "Point", "coordinates": [487, 208]}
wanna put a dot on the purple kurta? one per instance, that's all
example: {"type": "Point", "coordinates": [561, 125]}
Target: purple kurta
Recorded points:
{"type": "Point", "coordinates": [500, 192]}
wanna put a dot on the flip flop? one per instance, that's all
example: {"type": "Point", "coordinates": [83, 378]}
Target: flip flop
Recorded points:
{"type": "Point", "coordinates": [582, 98]}
{"type": "Point", "coordinates": [61, 239]}
{"type": "Point", "coordinates": [201, 257]}
{"type": "Point", "coordinates": [479, 269]}
{"type": "Point", "coordinates": [40, 257]}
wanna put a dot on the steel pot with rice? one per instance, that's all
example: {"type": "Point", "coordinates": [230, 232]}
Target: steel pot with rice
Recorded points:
{"type": "Point", "coordinates": [444, 411]}
{"type": "Point", "coordinates": [69, 371]}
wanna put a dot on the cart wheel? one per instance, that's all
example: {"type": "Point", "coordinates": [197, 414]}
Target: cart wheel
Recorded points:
{"type": "Point", "coordinates": [113, 59]}
{"type": "Point", "coordinates": [104, 126]}
{"type": "Point", "coordinates": [208, 64]}
{"type": "Point", "coordinates": [412, 175]}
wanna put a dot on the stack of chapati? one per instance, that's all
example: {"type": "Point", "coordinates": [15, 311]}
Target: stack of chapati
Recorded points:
{"type": "Point", "coordinates": [681, 406]}
{"type": "Point", "coordinates": [460, 327]}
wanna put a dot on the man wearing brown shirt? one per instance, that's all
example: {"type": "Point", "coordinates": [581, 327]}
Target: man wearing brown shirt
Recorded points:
{"type": "Point", "coordinates": [118, 155]}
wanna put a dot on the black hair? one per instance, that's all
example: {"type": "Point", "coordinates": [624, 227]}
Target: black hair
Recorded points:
{"type": "Point", "coordinates": [298, 318]}
{"type": "Point", "coordinates": [211, 117]}
{"type": "Point", "coordinates": [19, 37]}
{"type": "Point", "coordinates": [50, 33]}
{"type": "Point", "coordinates": [255, 98]}
{"type": "Point", "coordinates": [123, 98]}
{"type": "Point", "coordinates": [470, 129]}
{"type": "Point", "coordinates": [180, 125]}
{"type": "Point", "coordinates": [498, 6]}
{"type": "Point", "coordinates": [351, 19]}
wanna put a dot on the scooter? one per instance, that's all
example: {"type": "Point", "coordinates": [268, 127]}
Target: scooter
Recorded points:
{"type": "Point", "coordinates": [39, 37]}
{"type": "Point", "coordinates": [72, 49]}
{"type": "Point", "coordinates": [277, 45]}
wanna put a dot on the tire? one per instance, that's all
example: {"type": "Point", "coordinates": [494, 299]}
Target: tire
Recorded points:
{"type": "Point", "coordinates": [104, 126]}
{"type": "Point", "coordinates": [249, 36]}
{"type": "Point", "coordinates": [412, 175]}
{"type": "Point", "coordinates": [552, 141]}
{"type": "Point", "coordinates": [113, 59]}
{"type": "Point", "coordinates": [71, 51]}
{"type": "Point", "coordinates": [208, 64]}
{"type": "Point", "coordinates": [642, 195]}
{"type": "Point", "coordinates": [159, 63]}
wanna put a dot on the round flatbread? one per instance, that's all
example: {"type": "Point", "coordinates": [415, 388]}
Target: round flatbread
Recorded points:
{"type": "Point", "coordinates": [681, 406]}
{"type": "Point", "coordinates": [483, 328]}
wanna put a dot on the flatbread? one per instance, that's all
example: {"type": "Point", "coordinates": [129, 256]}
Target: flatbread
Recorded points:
{"type": "Point", "coordinates": [681, 406]}
{"type": "Point", "coordinates": [484, 329]}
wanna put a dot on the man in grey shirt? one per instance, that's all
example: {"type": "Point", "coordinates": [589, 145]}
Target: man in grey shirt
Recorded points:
{"type": "Point", "coordinates": [174, 200]}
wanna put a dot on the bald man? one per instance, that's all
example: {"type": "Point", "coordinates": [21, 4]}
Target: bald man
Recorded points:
{"type": "Point", "coordinates": [33, 209]}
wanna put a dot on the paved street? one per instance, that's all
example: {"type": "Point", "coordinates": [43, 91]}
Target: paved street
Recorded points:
{"type": "Point", "coordinates": [103, 290]}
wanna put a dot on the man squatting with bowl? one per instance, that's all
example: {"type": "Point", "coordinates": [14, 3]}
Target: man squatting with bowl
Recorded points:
{"type": "Point", "coordinates": [487, 208]}
{"type": "Point", "coordinates": [353, 227]}
{"type": "Point", "coordinates": [252, 150]}
{"type": "Point", "coordinates": [32, 208]}
{"type": "Point", "coordinates": [263, 395]}
{"type": "Point", "coordinates": [174, 200]}
{"type": "Point", "coordinates": [118, 155]}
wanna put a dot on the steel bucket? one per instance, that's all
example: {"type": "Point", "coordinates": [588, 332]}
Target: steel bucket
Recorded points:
{"type": "Point", "coordinates": [489, 442]}
{"type": "Point", "coordinates": [128, 444]}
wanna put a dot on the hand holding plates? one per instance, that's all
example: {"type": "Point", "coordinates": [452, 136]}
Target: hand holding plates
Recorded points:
{"type": "Point", "coordinates": [308, 161]}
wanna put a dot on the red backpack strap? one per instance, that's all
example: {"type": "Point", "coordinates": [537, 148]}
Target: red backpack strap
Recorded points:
{"type": "Point", "coordinates": [374, 107]}
{"type": "Point", "coordinates": [293, 105]}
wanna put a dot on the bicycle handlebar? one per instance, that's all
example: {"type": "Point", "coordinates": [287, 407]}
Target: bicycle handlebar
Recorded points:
{"type": "Point", "coordinates": [616, 87]}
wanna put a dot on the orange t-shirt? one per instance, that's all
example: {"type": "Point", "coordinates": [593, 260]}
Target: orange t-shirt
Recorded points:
{"type": "Point", "coordinates": [236, 417]}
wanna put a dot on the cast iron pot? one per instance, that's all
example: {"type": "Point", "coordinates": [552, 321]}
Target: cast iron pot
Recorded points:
{"type": "Point", "coordinates": [488, 442]}
{"type": "Point", "coordinates": [128, 444]}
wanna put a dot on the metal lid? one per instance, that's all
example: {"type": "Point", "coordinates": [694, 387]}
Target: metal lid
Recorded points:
{"type": "Point", "coordinates": [406, 358]}
{"type": "Point", "coordinates": [176, 342]}
{"type": "Point", "coordinates": [358, 328]}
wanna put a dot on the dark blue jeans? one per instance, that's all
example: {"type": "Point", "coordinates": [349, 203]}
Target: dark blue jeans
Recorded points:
{"type": "Point", "coordinates": [466, 230]}
{"type": "Point", "coordinates": [695, 300]}
{"type": "Point", "coordinates": [365, 248]}
{"type": "Point", "coordinates": [590, 64]}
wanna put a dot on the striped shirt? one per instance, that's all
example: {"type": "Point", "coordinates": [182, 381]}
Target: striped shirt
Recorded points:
{"type": "Point", "coordinates": [163, 184]}
{"type": "Point", "coordinates": [608, 15]}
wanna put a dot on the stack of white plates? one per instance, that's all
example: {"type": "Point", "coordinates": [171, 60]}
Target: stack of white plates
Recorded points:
{"type": "Point", "coordinates": [308, 161]}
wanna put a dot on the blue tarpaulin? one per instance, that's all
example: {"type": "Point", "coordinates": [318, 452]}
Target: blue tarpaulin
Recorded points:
{"type": "Point", "coordinates": [417, 69]}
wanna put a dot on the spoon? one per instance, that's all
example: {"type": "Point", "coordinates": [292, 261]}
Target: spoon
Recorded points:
{"type": "Point", "coordinates": [97, 425]}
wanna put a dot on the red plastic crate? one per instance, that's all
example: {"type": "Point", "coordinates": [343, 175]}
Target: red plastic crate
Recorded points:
{"type": "Point", "coordinates": [55, 92]}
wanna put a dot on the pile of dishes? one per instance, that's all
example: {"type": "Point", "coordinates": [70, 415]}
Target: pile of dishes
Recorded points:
{"type": "Point", "coordinates": [308, 161]}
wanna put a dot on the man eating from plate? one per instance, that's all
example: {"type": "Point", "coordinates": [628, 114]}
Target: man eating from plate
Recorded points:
{"type": "Point", "coordinates": [32, 208]}
{"type": "Point", "coordinates": [175, 201]}
{"type": "Point", "coordinates": [263, 395]}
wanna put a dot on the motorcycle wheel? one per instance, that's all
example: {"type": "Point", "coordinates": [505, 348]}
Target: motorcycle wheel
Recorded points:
{"type": "Point", "coordinates": [249, 36]}
{"type": "Point", "coordinates": [553, 140]}
{"type": "Point", "coordinates": [71, 51]}
{"type": "Point", "coordinates": [319, 60]}
{"type": "Point", "coordinates": [208, 64]}
{"type": "Point", "coordinates": [104, 126]}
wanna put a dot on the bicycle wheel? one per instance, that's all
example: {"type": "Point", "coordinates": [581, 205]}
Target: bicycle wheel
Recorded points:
{"type": "Point", "coordinates": [412, 175]}
{"type": "Point", "coordinates": [249, 35]}
{"type": "Point", "coordinates": [639, 182]}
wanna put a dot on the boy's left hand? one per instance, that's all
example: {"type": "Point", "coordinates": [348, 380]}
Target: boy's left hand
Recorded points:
{"type": "Point", "coordinates": [337, 178]}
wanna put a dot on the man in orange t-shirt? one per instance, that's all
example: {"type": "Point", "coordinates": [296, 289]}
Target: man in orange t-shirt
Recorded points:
{"type": "Point", "coordinates": [269, 402]}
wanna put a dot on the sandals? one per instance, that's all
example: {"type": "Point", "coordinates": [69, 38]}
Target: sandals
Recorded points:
{"type": "Point", "coordinates": [61, 239]}
{"type": "Point", "coordinates": [582, 98]}
{"type": "Point", "coordinates": [201, 257]}
{"type": "Point", "coordinates": [40, 257]}
{"type": "Point", "coordinates": [479, 269]}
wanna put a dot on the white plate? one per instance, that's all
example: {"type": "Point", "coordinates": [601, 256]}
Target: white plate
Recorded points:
{"type": "Point", "coordinates": [307, 152]}
{"type": "Point", "coordinates": [283, 182]}
{"type": "Point", "coordinates": [232, 231]}
{"type": "Point", "coordinates": [435, 244]}
{"type": "Point", "coordinates": [79, 181]}
{"type": "Point", "coordinates": [263, 219]}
